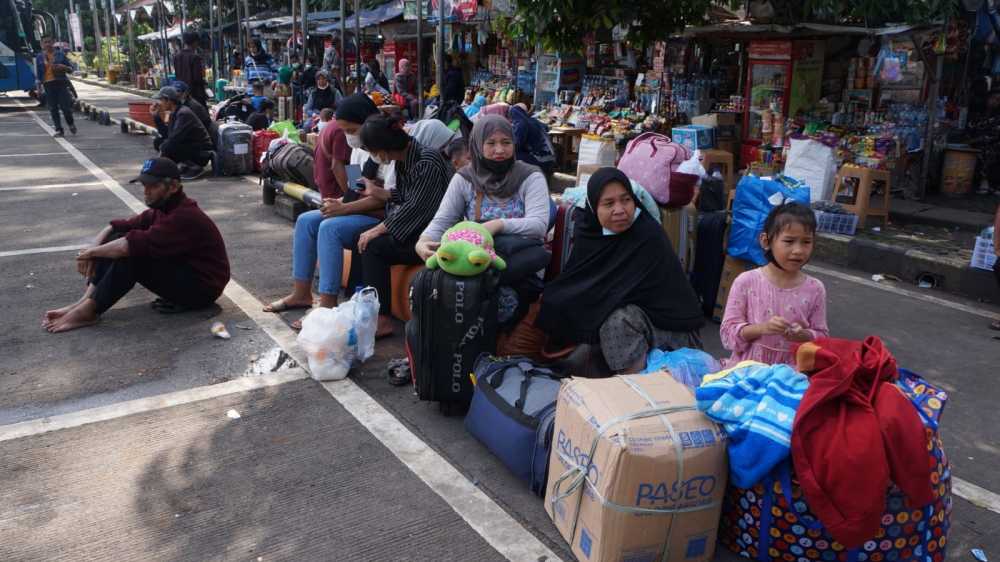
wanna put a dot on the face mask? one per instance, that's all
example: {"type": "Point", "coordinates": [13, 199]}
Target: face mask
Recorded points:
{"type": "Point", "coordinates": [353, 140]}
{"type": "Point", "coordinates": [498, 167]}
{"type": "Point", "coordinates": [635, 216]}
{"type": "Point", "coordinates": [320, 126]}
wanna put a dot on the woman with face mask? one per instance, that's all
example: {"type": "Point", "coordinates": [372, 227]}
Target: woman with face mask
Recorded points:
{"type": "Point", "coordinates": [323, 96]}
{"type": "Point", "coordinates": [421, 179]}
{"type": "Point", "coordinates": [511, 200]}
{"type": "Point", "coordinates": [623, 286]}
{"type": "Point", "coordinates": [323, 234]}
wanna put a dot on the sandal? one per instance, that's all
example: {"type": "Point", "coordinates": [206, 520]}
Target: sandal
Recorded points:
{"type": "Point", "coordinates": [280, 305]}
{"type": "Point", "coordinates": [398, 372]}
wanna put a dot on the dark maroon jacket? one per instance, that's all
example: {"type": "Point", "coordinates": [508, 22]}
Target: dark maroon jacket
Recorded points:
{"type": "Point", "coordinates": [180, 231]}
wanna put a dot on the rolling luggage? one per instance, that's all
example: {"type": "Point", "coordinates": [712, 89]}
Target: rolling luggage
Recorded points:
{"type": "Point", "coordinates": [454, 321]}
{"type": "Point", "coordinates": [234, 148]}
{"type": "Point", "coordinates": [562, 240]}
{"type": "Point", "coordinates": [291, 162]}
{"type": "Point", "coordinates": [513, 412]}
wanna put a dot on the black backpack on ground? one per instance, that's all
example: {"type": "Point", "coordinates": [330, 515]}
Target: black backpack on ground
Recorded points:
{"type": "Point", "coordinates": [291, 162]}
{"type": "Point", "coordinates": [454, 321]}
{"type": "Point", "coordinates": [709, 257]}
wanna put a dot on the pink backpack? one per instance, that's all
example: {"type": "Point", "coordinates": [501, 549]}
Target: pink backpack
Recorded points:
{"type": "Point", "coordinates": [651, 160]}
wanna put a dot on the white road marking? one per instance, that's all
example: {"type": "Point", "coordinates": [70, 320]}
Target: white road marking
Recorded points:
{"type": "Point", "coordinates": [33, 154]}
{"type": "Point", "coordinates": [141, 405]}
{"type": "Point", "coordinates": [52, 185]}
{"type": "Point", "coordinates": [905, 292]}
{"type": "Point", "coordinates": [494, 524]}
{"type": "Point", "coordinates": [46, 250]}
{"type": "Point", "coordinates": [28, 134]}
{"type": "Point", "coordinates": [980, 497]}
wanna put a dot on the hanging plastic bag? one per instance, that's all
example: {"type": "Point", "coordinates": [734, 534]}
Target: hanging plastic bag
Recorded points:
{"type": "Point", "coordinates": [687, 366]}
{"type": "Point", "coordinates": [693, 166]}
{"type": "Point", "coordinates": [755, 197]}
{"type": "Point", "coordinates": [287, 129]}
{"type": "Point", "coordinates": [337, 338]}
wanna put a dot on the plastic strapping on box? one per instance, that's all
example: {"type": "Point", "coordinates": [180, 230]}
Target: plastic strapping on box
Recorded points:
{"type": "Point", "coordinates": [579, 472]}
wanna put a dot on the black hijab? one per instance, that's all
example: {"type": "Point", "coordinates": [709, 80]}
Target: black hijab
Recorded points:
{"type": "Point", "coordinates": [606, 272]}
{"type": "Point", "coordinates": [356, 108]}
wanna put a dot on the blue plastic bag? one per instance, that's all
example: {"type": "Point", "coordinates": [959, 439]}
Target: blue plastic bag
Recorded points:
{"type": "Point", "coordinates": [687, 366]}
{"type": "Point", "coordinates": [755, 197]}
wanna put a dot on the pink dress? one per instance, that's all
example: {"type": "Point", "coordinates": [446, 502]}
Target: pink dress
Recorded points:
{"type": "Point", "coordinates": [753, 299]}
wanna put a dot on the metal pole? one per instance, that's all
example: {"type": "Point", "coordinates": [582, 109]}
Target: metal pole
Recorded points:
{"type": "Point", "coordinates": [357, 46]}
{"type": "Point", "coordinates": [295, 23]}
{"type": "Point", "coordinates": [246, 15]}
{"type": "Point", "coordinates": [107, 35]}
{"type": "Point", "coordinates": [343, 43]}
{"type": "Point", "coordinates": [131, 47]}
{"type": "Point", "coordinates": [420, 58]}
{"type": "Point", "coordinates": [932, 97]}
{"type": "Point", "coordinates": [211, 45]}
{"type": "Point", "coordinates": [439, 62]}
{"type": "Point", "coordinates": [114, 23]}
{"type": "Point", "coordinates": [239, 29]}
{"type": "Point", "coordinates": [69, 31]}
{"type": "Point", "coordinates": [305, 30]}
{"type": "Point", "coordinates": [97, 31]}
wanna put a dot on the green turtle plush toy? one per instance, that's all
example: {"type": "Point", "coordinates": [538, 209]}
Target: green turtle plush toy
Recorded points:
{"type": "Point", "coordinates": [466, 250]}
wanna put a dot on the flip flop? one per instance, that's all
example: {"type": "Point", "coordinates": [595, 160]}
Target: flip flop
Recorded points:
{"type": "Point", "coordinates": [280, 305]}
{"type": "Point", "coordinates": [398, 372]}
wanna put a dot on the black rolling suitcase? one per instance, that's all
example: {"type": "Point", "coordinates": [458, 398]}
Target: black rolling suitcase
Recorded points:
{"type": "Point", "coordinates": [454, 321]}
{"type": "Point", "coordinates": [709, 257]}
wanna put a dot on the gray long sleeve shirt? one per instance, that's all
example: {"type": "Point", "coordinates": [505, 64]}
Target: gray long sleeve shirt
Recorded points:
{"type": "Point", "coordinates": [460, 200]}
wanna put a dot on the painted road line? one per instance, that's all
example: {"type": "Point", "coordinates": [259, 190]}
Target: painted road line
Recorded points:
{"type": "Point", "coordinates": [980, 497]}
{"type": "Point", "coordinates": [142, 405]}
{"type": "Point", "coordinates": [27, 134]}
{"type": "Point", "coordinates": [52, 185]}
{"type": "Point", "coordinates": [904, 292]}
{"type": "Point", "coordinates": [490, 520]}
{"type": "Point", "coordinates": [46, 250]}
{"type": "Point", "coordinates": [33, 154]}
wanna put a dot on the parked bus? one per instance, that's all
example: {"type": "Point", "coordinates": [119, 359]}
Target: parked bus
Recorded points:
{"type": "Point", "coordinates": [18, 45]}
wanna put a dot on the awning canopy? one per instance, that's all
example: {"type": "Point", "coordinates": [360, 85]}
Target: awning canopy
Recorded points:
{"type": "Point", "coordinates": [746, 29]}
{"type": "Point", "coordinates": [371, 17]}
{"type": "Point", "coordinates": [172, 32]}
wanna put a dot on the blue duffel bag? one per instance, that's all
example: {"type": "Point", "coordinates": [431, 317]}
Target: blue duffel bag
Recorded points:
{"type": "Point", "coordinates": [755, 197]}
{"type": "Point", "coordinates": [513, 412]}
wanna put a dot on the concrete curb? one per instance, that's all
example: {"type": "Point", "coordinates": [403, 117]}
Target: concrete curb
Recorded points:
{"type": "Point", "coordinates": [126, 89]}
{"type": "Point", "coordinates": [907, 264]}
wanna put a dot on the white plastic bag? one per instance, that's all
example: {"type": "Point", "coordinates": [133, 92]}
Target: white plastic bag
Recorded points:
{"type": "Point", "coordinates": [813, 163]}
{"type": "Point", "coordinates": [597, 152]}
{"type": "Point", "coordinates": [337, 338]}
{"type": "Point", "coordinates": [693, 166]}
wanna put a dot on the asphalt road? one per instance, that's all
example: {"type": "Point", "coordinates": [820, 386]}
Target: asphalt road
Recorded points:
{"type": "Point", "coordinates": [146, 459]}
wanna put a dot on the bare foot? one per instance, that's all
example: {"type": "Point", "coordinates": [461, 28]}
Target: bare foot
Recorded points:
{"type": "Point", "coordinates": [81, 315]}
{"type": "Point", "coordinates": [53, 315]}
{"type": "Point", "coordinates": [384, 327]}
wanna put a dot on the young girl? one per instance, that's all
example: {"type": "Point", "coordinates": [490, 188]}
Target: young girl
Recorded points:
{"type": "Point", "coordinates": [775, 306]}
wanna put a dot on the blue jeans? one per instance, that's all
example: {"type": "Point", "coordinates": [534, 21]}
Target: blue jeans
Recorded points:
{"type": "Point", "coordinates": [326, 238]}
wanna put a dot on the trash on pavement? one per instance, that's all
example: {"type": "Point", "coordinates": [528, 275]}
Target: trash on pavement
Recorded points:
{"type": "Point", "coordinates": [881, 277]}
{"type": "Point", "coordinates": [233, 415]}
{"type": "Point", "coordinates": [978, 554]}
{"type": "Point", "coordinates": [336, 338]}
{"type": "Point", "coordinates": [219, 330]}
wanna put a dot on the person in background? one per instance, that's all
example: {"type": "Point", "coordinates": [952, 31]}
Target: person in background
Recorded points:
{"type": "Point", "coordinates": [235, 59]}
{"type": "Point", "coordinates": [508, 197]}
{"type": "Point", "coordinates": [324, 234]}
{"type": "Point", "coordinates": [189, 68]}
{"type": "Point", "coordinates": [531, 137]}
{"type": "Point", "coordinates": [198, 109]}
{"type": "Point", "coordinates": [457, 152]}
{"type": "Point", "coordinates": [257, 96]}
{"type": "Point", "coordinates": [173, 249]}
{"type": "Point", "coordinates": [258, 65]}
{"type": "Point", "coordinates": [187, 142]}
{"type": "Point", "coordinates": [454, 82]}
{"type": "Point", "coordinates": [623, 287]}
{"type": "Point", "coordinates": [331, 58]}
{"type": "Point", "coordinates": [432, 133]}
{"type": "Point", "coordinates": [325, 117]}
{"type": "Point", "coordinates": [406, 86]}
{"type": "Point", "coordinates": [309, 71]}
{"type": "Point", "coordinates": [322, 97]}
{"type": "Point", "coordinates": [51, 67]}
{"type": "Point", "coordinates": [421, 180]}
{"type": "Point", "coordinates": [774, 307]}
{"type": "Point", "coordinates": [286, 72]}
{"type": "Point", "coordinates": [262, 119]}
{"type": "Point", "coordinates": [375, 80]}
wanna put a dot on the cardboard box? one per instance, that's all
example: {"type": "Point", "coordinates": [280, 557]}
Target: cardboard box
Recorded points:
{"type": "Point", "coordinates": [730, 270]}
{"type": "Point", "coordinates": [635, 465]}
{"type": "Point", "coordinates": [681, 226]}
{"type": "Point", "coordinates": [726, 125]}
{"type": "Point", "coordinates": [694, 136]}
{"type": "Point", "coordinates": [584, 171]}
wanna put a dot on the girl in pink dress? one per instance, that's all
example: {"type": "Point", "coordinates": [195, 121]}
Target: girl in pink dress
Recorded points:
{"type": "Point", "coordinates": [773, 307]}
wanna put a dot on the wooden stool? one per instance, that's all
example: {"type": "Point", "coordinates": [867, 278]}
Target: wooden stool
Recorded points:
{"type": "Point", "coordinates": [860, 202]}
{"type": "Point", "coordinates": [714, 157]}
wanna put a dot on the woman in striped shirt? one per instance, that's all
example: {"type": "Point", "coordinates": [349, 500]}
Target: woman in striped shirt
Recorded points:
{"type": "Point", "coordinates": [421, 179]}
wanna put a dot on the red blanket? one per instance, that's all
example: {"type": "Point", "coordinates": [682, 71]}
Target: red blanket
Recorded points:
{"type": "Point", "coordinates": [855, 432]}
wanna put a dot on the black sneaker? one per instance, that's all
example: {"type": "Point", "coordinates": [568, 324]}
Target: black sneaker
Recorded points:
{"type": "Point", "coordinates": [192, 172]}
{"type": "Point", "coordinates": [59, 134]}
{"type": "Point", "coordinates": [72, 129]}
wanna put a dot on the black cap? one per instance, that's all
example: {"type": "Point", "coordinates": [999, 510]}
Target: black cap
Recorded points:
{"type": "Point", "coordinates": [156, 170]}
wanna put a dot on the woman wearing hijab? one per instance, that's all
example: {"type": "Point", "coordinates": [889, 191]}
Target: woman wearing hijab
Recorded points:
{"type": "Point", "coordinates": [406, 86]}
{"type": "Point", "coordinates": [375, 80]}
{"type": "Point", "coordinates": [510, 199]}
{"type": "Point", "coordinates": [623, 287]}
{"type": "Point", "coordinates": [326, 232]}
{"type": "Point", "coordinates": [323, 96]}
{"type": "Point", "coordinates": [258, 60]}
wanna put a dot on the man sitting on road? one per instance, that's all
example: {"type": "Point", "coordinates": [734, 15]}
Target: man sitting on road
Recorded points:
{"type": "Point", "coordinates": [173, 249]}
{"type": "Point", "coordinates": [200, 111]}
{"type": "Point", "coordinates": [187, 141]}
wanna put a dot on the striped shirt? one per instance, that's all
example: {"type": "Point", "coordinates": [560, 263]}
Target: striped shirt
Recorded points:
{"type": "Point", "coordinates": [421, 180]}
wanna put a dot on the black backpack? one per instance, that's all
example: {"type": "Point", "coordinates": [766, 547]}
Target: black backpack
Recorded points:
{"type": "Point", "coordinates": [290, 162]}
